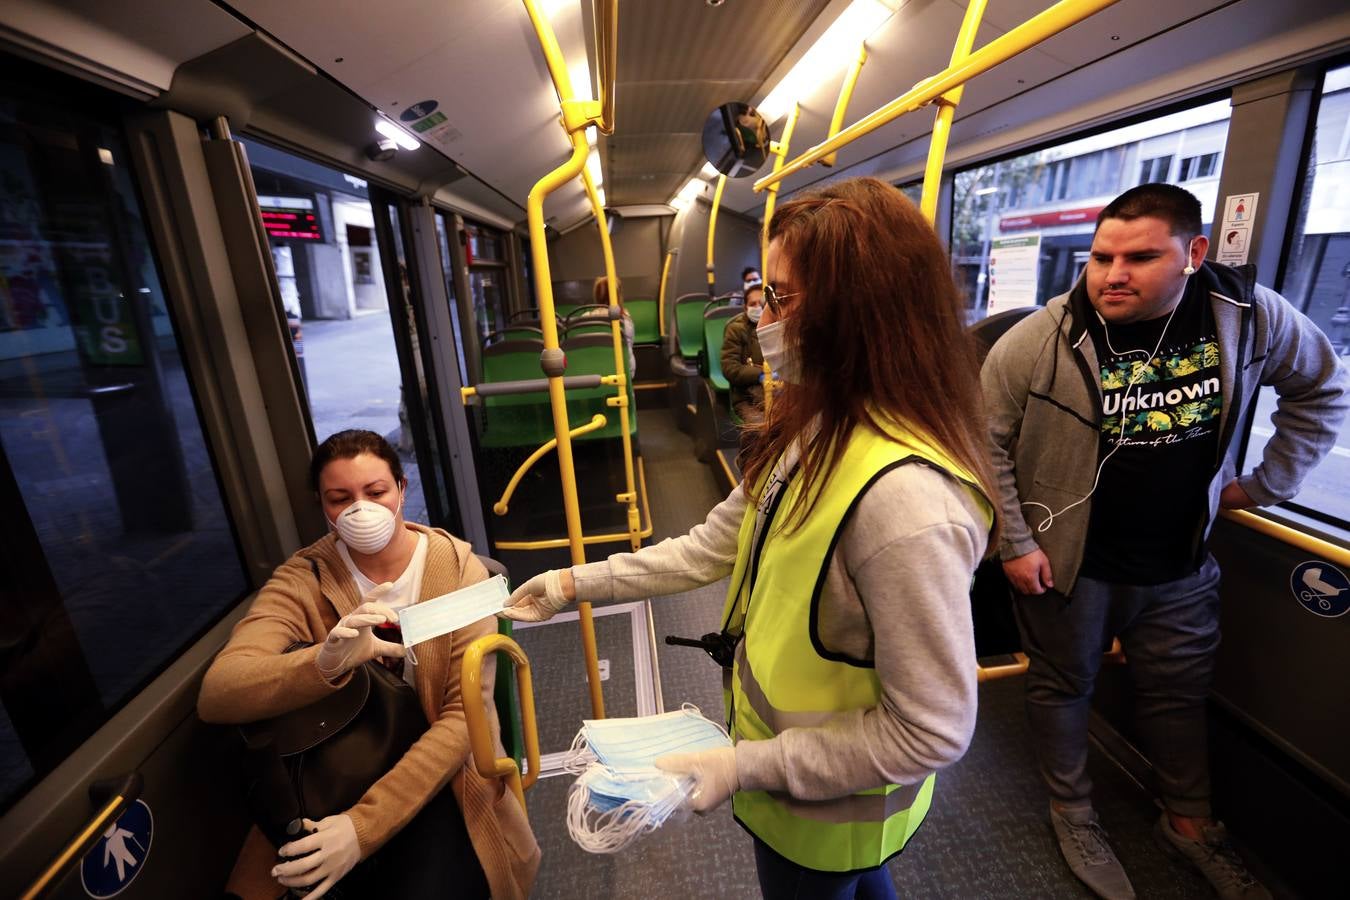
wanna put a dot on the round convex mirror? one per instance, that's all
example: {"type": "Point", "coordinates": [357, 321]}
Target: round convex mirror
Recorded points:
{"type": "Point", "coordinates": [736, 139]}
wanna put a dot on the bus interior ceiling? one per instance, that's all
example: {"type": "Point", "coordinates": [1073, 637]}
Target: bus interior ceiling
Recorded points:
{"type": "Point", "coordinates": [302, 84]}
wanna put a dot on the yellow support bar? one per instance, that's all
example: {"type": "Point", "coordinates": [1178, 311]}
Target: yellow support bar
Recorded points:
{"type": "Point", "coordinates": [712, 228]}
{"type": "Point", "coordinates": [1310, 544]}
{"type": "Point", "coordinates": [1057, 18]}
{"type": "Point", "coordinates": [606, 16]}
{"type": "Point", "coordinates": [845, 95]}
{"type": "Point", "coordinates": [942, 125]}
{"type": "Point", "coordinates": [501, 507]}
{"type": "Point", "coordinates": [1020, 663]}
{"type": "Point", "coordinates": [485, 758]}
{"type": "Point", "coordinates": [559, 543]}
{"type": "Point", "coordinates": [620, 358]}
{"type": "Point", "coordinates": [661, 294]}
{"type": "Point", "coordinates": [780, 152]}
{"type": "Point", "coordinates": [552, 357]}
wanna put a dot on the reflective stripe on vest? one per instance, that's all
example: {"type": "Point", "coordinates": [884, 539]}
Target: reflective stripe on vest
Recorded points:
{"type": "Point", "coordinates": [784, 677]}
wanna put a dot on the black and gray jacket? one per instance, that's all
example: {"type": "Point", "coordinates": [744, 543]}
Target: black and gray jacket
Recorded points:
{"type": "Point", "coordinates": [1042, 393]}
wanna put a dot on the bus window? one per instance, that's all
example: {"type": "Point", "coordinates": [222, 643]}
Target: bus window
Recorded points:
{"type": "Point", "coordinates": [1037, 211]}
{"type": "Point", "coordinates": [117, 550]}
{"type": "Point", "coordinates": [1317, 281]}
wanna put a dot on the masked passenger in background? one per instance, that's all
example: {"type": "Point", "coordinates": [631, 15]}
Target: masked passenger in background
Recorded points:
{"type": "Point", "coordinates": [742, 361]}
{"type": "Point", "coordinates": [431, 825]}
{"type": "Point", "coordinates": [850, 545]}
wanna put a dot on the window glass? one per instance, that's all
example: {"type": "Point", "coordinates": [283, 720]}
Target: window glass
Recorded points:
{"type": "Point", "coordinates": [914, 191]}
{"type": "Point", "coordinates": [1035, 213]}
{"type": "Point", "coordinates": [1317, 282]}
{"type": "Point", "coordinates": [117, 550]}
{"type": "Point", "coordinates": [322, 231]}
{"type": "Point", "coordinates": [484, 244]}
{"type": "Point", "coordinates": [448, 271]}
{"type": "Point", "coordinates": [489, 299]}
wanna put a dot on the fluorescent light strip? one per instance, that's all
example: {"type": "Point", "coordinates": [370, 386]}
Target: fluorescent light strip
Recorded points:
{"type": "Point", "coordinates": [396, 134]}
{"type": "Point", "coordinates": [830, 53]}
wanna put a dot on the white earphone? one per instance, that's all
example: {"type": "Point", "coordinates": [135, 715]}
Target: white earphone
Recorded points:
{"type": "Point", "coordinates": [1189, 270]}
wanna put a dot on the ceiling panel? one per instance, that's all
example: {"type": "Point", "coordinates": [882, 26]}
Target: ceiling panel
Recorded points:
{"type": "Point", "coordinates": [657, 107]}
{"type": "Point", "coordinates": [679, 40]}
{"type": "Point", "coordinates": [628, 156]}
{"type": "Point", "coordinates": [647, 188]}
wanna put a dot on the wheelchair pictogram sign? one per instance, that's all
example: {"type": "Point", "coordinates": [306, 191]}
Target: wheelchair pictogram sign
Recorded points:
{"type": "Point", "coordinates": [1321, 588]}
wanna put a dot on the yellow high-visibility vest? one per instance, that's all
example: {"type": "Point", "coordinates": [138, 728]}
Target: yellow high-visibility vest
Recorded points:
{"type": "Point", "coordinates": [784, 677]}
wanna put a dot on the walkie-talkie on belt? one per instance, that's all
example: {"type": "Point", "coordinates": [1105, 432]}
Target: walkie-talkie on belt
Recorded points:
{"type": "Point", "coordinates": [717, 644]}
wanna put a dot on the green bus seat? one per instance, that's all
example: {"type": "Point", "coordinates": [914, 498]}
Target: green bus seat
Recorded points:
{"type": "Point", "coordinates": [689, 324]}
{"type": "Point", "coordinates": [715, 322]}
{"type": "Point", "coordinates": [646, 328]}
{"type": "Point", "coordinates": [593, 354]}
{"type": "Point", "coordinates": [578, 327]}
{"type": "Point", "coordinates": [515, 420]}
{"type": "Point", "coordinates": [515, 332]}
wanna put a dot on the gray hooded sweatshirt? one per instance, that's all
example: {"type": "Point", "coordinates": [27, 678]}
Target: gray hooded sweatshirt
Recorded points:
{"type": "Point", "coordinates": [1042, 394]}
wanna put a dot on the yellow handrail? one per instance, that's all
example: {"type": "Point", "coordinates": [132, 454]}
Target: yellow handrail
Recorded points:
{"type": "Point", "coordinates": [1311, 544]}
{"type": "Point", "coordinates": [712, 228]}
{"type": "Point", "coordinates": [620, 399]}
{"type": "Point", "coordinates": [606, 16]}
{"type": "Point", "coordinates": [559, 543]}
{"type": "Point", "coordinates": [577, 116]}
{"type": "Point", "coordinates": [1052, 21]}
{"type": "Point", "coordinates": [501, 507]}
{"type": "Point", "coordinates": [947, 103]}
{"type": "Point", "coordinates": [485, 758]}
{"type": "Point", "coordinates": [1020, 663]}
{"type": "Point", "coordinates": [845, 95]}
{"type": "Point", "coordinates": [661, 294]}
{"type": "Point", "coordinates": [779, 149]}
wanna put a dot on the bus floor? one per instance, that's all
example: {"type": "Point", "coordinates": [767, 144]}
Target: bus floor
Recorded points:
{"type": "Point", "coordinates": [987, 834]}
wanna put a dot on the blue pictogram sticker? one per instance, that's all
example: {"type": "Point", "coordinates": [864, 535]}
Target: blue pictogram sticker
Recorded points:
{"type": "Point", "coordinates": [119, 856]}
{"type": "Point", "coordinates": [1321, 588]}
{"type": "Point", "coordinates": [418, 111]}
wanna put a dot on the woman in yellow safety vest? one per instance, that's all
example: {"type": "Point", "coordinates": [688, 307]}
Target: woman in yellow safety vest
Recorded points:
{"type": "Point", "coordinates": [850, 544]}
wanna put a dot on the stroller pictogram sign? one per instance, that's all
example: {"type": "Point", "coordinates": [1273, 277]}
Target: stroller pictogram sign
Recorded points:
{"type": "Point", "coordinates": [1321, 588]}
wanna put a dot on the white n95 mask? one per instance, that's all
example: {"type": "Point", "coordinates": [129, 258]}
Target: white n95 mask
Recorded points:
{"type": "Point", "coordinates": [773, 344]}
{"type": "Point", "coordinates": [366, 527]}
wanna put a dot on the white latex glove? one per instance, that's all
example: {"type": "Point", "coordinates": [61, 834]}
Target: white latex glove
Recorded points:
{"type": "Point", "coordinates": [335, 852]}
{"type": "Point", "coordinates": [541, 597]}
{"type": "Point", "coordinates": [714, 773]}
{"type": "Point", "coordinates": [351, 642]}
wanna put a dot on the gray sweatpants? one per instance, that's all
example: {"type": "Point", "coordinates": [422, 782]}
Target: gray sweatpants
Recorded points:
{"type": "Point", "coordinates": [1170, 633]}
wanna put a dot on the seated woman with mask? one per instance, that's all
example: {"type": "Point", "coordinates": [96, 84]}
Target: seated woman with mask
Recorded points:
{"type": "Point", "coordinates": [431, 825]}
{"type": "Point", "coordinates": [742, 361]}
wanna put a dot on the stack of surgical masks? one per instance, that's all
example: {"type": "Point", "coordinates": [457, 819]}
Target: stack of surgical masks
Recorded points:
{"type": "Point", "coordinates": [620, 794]}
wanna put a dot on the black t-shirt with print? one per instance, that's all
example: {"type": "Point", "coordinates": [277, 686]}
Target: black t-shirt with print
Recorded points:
{"type": "Point", "coordinates": [1153, 492]}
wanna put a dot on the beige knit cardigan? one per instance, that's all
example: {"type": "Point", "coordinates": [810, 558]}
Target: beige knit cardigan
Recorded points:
{"type": "Point", "coordinates": [253, 679]}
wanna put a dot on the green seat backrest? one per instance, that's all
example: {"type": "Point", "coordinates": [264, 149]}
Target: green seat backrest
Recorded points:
{"type": "Point", "coordinates": [504, 698]}
{"type": "Point", "coordinates": [563, 310]}
{"type": "Point", "coordinates": [579, 327]}
{"type": "Point", "coordinates": [689, 324]}
{"type": "Point", "coordinates": [593, 354]}
{"type": "Point", "coordinates": [715, 323]}
{"type": "Point", "coordinates": [515, 420]}
{"type": "Point", "coordinates": [518, 333]}
{"type": "Point", "coordinates": [646, 328]}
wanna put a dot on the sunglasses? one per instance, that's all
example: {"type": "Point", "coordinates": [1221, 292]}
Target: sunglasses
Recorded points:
{"type": "Point", "coordinates": [774, 300]}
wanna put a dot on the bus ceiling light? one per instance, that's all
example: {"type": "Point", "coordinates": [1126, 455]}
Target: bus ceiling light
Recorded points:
{"type": "Point", "coordinates": [593, 166]}
{"type": "Point", "coordinates": [692, 189]}
{"type": "Point", "coordinates": [829, 54]}
{"type": "Point", "coordinates": [396, 134]}
{"type": "Point", "coordinates": [708, 171]}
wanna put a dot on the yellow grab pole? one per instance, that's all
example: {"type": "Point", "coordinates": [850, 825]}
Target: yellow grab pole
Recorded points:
{"type": "Point", "coordinates": [485, 758]}
{"type": "Point", "coordinates": [712, 228]}
{"type": "Point", "coordinates": [503, 506]}
{"type": "Point", "coordinates": [576, 116]}
{"type": "Point", "coordinates": [620, 400]}
{"type": "Point", "coordinates": [1052, 21]}
{"type": "Point", "coordinates": [845, 95]}
{"type": "Point", "coordinates": [942, 126]}
{"type": "Point", "coordinates": [661, 294]}
{"type": "Point", "coordinates": [780, 152]}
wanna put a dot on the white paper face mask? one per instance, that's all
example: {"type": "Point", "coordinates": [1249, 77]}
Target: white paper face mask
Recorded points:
{"type": "Point", "coordinates": [366, 527]}
{"type": "Point", "coordinates": [773, 344]}
{"type": "Point", "coordinates": [754, 312]}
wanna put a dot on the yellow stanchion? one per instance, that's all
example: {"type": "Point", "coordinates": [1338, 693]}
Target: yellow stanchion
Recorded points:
{"type": "Point", "coordinates": [947, 103]}
{"type": "Point", "coordinates": [845, 95]}
{"type": "Point", "coordinates": [620, 399]}
{"type": "Point", "coordinates": [661, 294]}
{"type": "Point", "coordinates": [502, 506]}
{"type": "Point", "coordinates": [780, 152]}
{"type": "Point", "coordinates": [577, 116]}
{"type": "Point", "coordinates": [712, 229]}
{"type": "Point", "coordinates": [1052, 21]}
{"type": "Point", "coordinates": [485, 758]}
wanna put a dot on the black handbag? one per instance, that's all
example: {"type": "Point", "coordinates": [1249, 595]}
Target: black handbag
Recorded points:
{"type": "Point", "coordinates": [319, 760]}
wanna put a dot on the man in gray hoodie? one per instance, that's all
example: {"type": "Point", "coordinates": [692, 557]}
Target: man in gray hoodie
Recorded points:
{"type": "Point", "coordinates": [1113, 413]}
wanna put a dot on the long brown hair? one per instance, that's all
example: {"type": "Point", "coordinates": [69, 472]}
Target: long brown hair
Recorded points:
{"type": "Point", "coordinates": [878, 334]}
